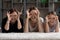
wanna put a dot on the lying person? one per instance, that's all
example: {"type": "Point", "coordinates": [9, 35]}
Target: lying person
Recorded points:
{"type": "Point", "coordinates": [12, 22]}
{"type": "Point", "coordinates": [33, 22]}
{"type": "Point", "coordinates": [51, 22]}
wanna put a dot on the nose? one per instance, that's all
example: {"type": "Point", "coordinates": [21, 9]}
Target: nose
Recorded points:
{"type": "Point", "coordinates": [33, 16]}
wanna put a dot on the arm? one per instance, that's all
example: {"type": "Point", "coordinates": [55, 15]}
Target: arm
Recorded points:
{"type": "Point", "coordinates": [46, 24]}
{"type": "Point", "coordinates": [26, 25]}
{"type": "Point", "coordinates": [57, 27]}
{"type": "Point", "coordinates": [19, 24]}
{"type": "Point", "coordinates": [46, 27]}
{"type": "Point", "coordinates": [6, 27]}
{"type": "Point", "coordinates": [40, 26]}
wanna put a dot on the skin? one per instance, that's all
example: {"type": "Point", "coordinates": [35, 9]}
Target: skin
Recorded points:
{"type": "Point", "coordinates": [11, 19]}
{"type": "Point", "coordinates": [34, 18]}
{"type": "Point", "coordinates": [51, 20]}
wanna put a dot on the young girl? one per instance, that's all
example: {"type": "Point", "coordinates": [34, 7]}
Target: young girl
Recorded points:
{"type": "Point", "coordinates": [33, 23]}
{"type": "Point", "coordinates": [51, 22]}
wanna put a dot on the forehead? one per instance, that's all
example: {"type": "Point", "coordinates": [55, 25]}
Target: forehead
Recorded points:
{"type": "Point", "coordinates": [35, 11]}
{"type": "Point", "coordinates": [51, 15]}
{"type": "Point", "coordinates": [14, 13]}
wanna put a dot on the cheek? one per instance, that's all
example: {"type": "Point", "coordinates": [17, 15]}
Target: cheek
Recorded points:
{"type": "Point", "coordinates": [30, 14]}
{"type": "Point", "coordinates": [52, 21]}
{"type": "Point", "coordinates": [16, 17]}
{"type": "Point", "coordinates": [11, 18]}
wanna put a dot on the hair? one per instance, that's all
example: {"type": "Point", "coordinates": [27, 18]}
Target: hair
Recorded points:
{"type": "Point", "coordinates": [32, 8]}
{"type": "Point", "coordinates": [52, 12]}
{"type": "Point", "coordinates": [13, 10]}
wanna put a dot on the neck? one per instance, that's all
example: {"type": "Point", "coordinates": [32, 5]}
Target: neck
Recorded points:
{"type": "Point", "coordinates": [32, 24]}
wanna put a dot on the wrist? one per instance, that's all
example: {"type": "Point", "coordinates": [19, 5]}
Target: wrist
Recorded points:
{"type": "Point", "coordinates": [8, 21]}
{"type": "Point", "coordinates": [46, 21]}
{"type": "Point", "coordinates": [27, 18]}
{"type": "Point", "coordinates": [18, 19]}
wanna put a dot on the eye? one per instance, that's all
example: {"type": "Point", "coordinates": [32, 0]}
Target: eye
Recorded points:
{"type": "Point", "coordinates": [30, 14]}
{"type": "Point", "coordinates": [53, 18]}
{"type": "Point", "coordinates": [36, 13]}
{"type": "Point", "coordinates": [14, 15]}
{"type": "Point", "coordinates": [49, 18]}
{"type": "Point", "coordinates": [10, 15]}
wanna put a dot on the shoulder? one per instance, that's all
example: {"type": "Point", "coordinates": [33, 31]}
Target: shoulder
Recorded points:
{"type": "Point", "coordinates": [42, 20]}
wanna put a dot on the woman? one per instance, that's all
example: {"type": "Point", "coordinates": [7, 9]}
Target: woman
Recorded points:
{"type": "Point", "coordinates": [12, 22]}
{"type": "Point", "coordinates": [52, 22]}
{"type": "Point", "coordinates": [33, 23]}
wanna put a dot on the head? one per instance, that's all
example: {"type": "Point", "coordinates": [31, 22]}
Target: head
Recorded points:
{"type": "Point", "coordinates": [52, 17]}
{"type": "Point", "coordinates": [13, 15]}
{"type": "Point", "coordinates": [33, 14]}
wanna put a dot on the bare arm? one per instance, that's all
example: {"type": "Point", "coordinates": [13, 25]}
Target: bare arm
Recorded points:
{"type": "Point", "coordinates": [26, 23]}
{"type": "Point", "coordinates": [57, 27]}
{"type": "Point", "coordinates": [26, 26]}
{"type": "Point", "coordinates": [46, 24]}
{"type": "Point", "coordinates": [7, 26]}
{"type": "Point", "coordinates": [19, 24]}
{"type": "Point", "coordinates": [40, 26]}
{"type": "Point", "coordinates": [46, 27]}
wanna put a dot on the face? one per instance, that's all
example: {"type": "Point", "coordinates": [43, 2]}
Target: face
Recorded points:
{"type": "Point", "coordinates": [13, 16]}
{"type": "Point", "coordinates": [52, 19]}
{"type": "Point", "coordinates": [33, 15]}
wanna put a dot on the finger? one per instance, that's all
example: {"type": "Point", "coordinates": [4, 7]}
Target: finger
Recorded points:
{"type": "Point", "coordinates": [56, 17]}
{"type": "Point", "coordinates": [19, 13]}
{"type": "Point", "coordinates": [8, 13]}
{"type": "Point", "coordinates": [27, 10]}
{"type": "Point", "coordinates": [46, 17]}
{"type": "Point", "coordinates": [27, 13]}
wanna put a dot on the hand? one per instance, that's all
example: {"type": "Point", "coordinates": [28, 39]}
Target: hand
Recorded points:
{"type": "Point", "coordinates": [28, 14]}
{"type": "Point", "coordinates": [57, 18]}
{"type": "Point", "coordinates": [19, 23]}
{"type": "Point", "coordinates": [38, 13]}
{"type": "Point", "coordinates": [46, 18]}
{"type": "Point", "coordinates": [8, 15]}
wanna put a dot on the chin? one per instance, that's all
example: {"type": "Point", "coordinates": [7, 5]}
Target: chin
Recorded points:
{"type": "Point", "coordinates": [52, 24]}
{"type": "Point", "coordinates": [34, 21]}
{"type": "Point", "coordinates": [13, 21]}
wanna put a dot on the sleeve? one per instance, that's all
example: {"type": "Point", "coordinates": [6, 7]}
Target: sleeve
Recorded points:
{"type": "Point", "coordinates": [42, 20]}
